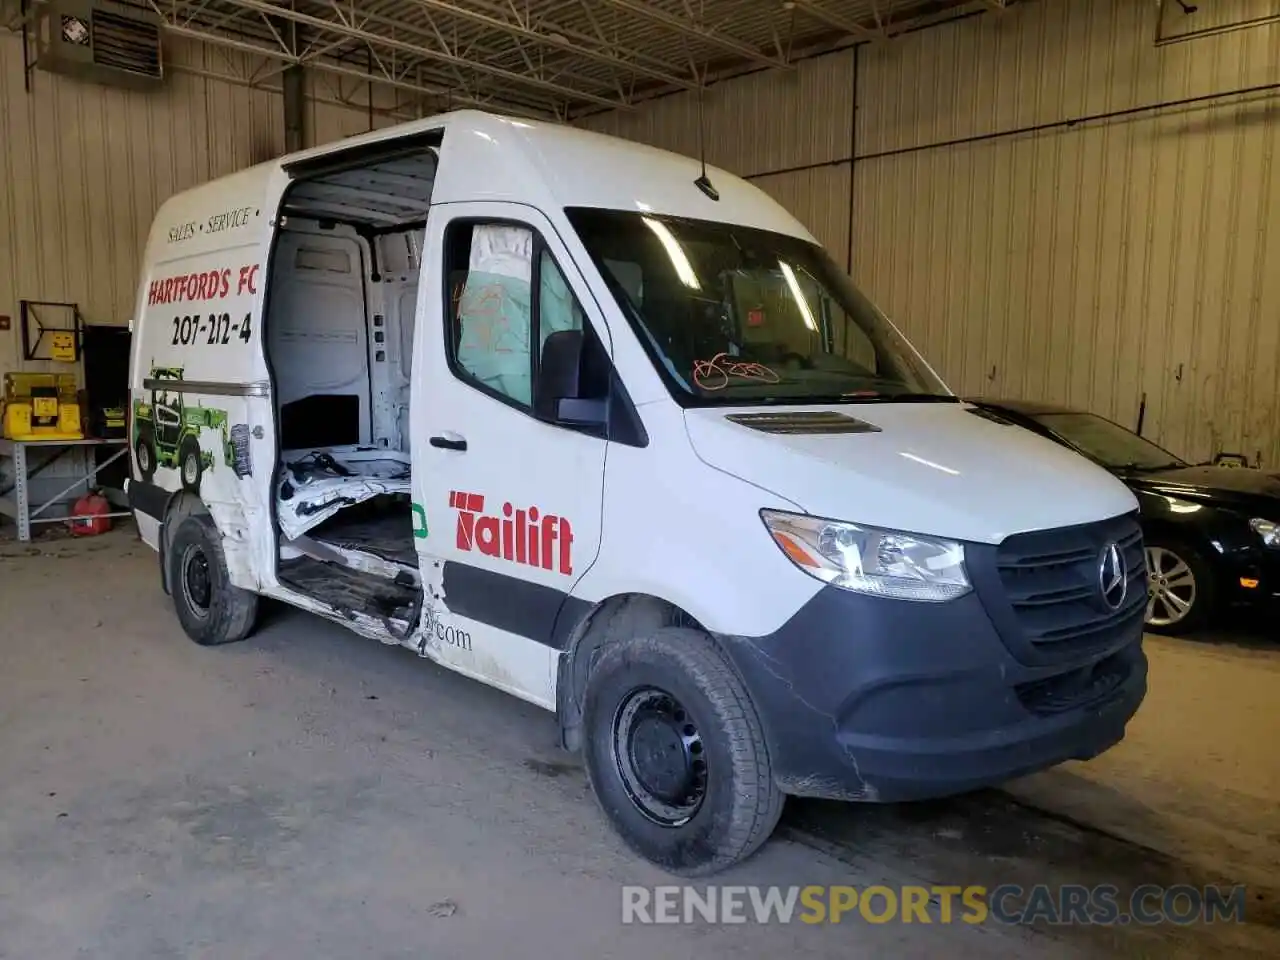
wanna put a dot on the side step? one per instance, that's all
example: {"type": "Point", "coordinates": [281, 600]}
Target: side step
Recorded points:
{"type": "Point", "coordinates": [355, 559]}
{"type": "Point", "coordinates": [349, 592]}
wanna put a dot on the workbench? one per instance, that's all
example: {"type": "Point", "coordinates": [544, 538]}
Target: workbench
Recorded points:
{"type": "Point", "coordinates": [22, 460]}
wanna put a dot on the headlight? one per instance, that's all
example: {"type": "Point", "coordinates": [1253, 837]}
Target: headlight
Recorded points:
{"type": "Point", "coordinates": [1268, 531]}
{"type": "Point", "coordinates": [884, 563]}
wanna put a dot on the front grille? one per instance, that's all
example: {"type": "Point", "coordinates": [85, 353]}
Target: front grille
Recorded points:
{"type": "Point", "coordinates": [1077, 689]}
{"type": "Point", "coordinates": [1053, 601]}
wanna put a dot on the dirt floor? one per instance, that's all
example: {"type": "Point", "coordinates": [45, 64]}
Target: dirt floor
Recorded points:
{"type": "Point", "coordinates": [311, 794]}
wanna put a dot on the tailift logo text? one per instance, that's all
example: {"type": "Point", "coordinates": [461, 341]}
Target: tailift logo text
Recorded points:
{"type": "Point", "coordinates": [526, 536]}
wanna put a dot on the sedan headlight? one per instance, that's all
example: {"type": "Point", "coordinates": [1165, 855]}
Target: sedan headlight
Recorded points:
{"type": "Point", "coordinates": [884, 563]}
{"type": "Point", "coordinates": [1268, 530]}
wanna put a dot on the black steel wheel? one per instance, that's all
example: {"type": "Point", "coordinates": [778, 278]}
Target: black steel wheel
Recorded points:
{"type": "Point", "coordinates": [195, 582]}
{"type": "Point", "coordinates": [660, 756]}
{"type": "Point", "coordinates": [676, 753]}
{"type": "Point", "coordinates": [210, 608]}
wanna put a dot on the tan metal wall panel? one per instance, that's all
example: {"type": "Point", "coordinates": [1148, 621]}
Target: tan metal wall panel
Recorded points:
{"type": "Point", "coordinates": [1034, 237]}
{"type": "Point", "coordinates": [1047, 61]}
{"type": "Point", "coordinates": [759, 123]}
{"type": "Point", "coordinates": [819, 198]}
{"type": "Point", "coordinates": [83, 169]}
{"type": "Point", "coordinates": [330, 120]}
{"type": "Point", "coordinates": [1086, 264]}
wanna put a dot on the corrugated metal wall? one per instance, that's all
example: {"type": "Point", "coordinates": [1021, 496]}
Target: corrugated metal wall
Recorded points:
{"type": "Point", "coordinates": [1026, 252]}
{"type": "Point", "coordinates": [83, 169]}
{"type": "Point", "coordinates": [1093, 262]}
{"type": "Point", "coordinates": [1088, 262]}
{"type": "Point", "coordinates": [790, 132]}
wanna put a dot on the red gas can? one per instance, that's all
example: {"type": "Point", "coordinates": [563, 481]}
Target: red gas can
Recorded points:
{"type": "Point", "coordinates": [90, 513]}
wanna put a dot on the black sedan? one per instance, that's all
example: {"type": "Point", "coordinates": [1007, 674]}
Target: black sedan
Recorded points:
{"type": "Point", "coordinates": [1212, 532]}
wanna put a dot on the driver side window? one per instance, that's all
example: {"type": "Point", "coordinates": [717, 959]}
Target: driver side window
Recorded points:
{"type": "Point", "coordinates": [506, 296]}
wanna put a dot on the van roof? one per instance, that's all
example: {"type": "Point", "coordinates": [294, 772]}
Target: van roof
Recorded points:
{"type": "Point", "coordinates": [486, 156]}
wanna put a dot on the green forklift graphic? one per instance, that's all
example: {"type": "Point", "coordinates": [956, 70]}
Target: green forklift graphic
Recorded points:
{"type": "Point", "coordinates": [166, 433]}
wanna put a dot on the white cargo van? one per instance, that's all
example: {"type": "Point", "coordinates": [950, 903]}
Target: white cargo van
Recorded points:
{"type": "Point", "coordinates": [559, 413]}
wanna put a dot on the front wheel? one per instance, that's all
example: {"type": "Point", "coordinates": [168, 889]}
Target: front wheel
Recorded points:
{"type": "Point", "coordinates": [1180, 588]}
{"type": "Point", "coordinates": [676, 754]}
{"type": "Point", "coordinates": [210, 608]}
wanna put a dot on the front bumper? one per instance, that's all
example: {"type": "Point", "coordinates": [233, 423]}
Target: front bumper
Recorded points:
{"type": "Point", "coordinates": [864, 698]}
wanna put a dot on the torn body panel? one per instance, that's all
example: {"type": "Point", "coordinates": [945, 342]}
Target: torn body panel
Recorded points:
{"type": "Point", "coordinates": [315, 485]}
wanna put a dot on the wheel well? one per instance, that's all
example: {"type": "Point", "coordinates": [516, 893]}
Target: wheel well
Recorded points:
{"type": "Point", "coordinates": [1172, 533]}
{"type": "Point", "coordinates": [610, 621]}
{"type": "Point", "coordinates": [182, 504]}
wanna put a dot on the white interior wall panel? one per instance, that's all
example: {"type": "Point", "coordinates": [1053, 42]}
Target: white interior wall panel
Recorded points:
{"type": "Point", "coordinates": [1089, 263]}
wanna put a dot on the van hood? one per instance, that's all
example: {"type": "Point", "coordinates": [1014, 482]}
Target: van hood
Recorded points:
{"type": "Point", "coordinates": [929, 468]}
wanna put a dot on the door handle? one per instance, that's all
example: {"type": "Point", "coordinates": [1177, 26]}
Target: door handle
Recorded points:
{"type": "Point", "coordinates": [449, 443]}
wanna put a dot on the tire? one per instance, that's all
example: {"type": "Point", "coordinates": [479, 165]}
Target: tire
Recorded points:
{"type": "Point", "coordinates": [1173, 568]}
{"type": "Point", "coordinates": [144, 449]}
{"type": "Point", "coordinates": [682, 683]}
{"type": "Point", "coordinates": [190, 464]}
{"type": "Point", "coordinates": [213, 612]}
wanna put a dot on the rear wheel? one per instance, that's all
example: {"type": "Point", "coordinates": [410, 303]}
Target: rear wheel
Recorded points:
{"type": "Point", "coordinates": [1180, 588]}
{"type": "Point", "coordinates": [676, 753]}
{"type": "Point", "coordinates": [211, 609]}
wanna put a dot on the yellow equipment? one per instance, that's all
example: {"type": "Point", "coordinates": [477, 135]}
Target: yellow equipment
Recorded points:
{"type": "Point", "coordinates": [114, 421]}
{"type": "Point", "coordinates": [41, 406]}
{"type": "Point", "coordinates": [62, 346]}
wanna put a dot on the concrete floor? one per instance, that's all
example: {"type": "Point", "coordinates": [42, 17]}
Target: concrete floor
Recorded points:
{"type": "Point", "coordinates": [310, 794]}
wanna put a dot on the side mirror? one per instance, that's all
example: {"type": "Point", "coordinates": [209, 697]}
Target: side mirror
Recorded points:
{"type": "Point", "coordinates": [556, 393]}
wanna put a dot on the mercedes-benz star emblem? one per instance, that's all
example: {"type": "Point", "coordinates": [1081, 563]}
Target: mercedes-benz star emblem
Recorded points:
{"type": "Point", "coordinates": [1112, 577]}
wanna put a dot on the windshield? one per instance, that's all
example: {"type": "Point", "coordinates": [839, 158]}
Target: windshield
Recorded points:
{"type": "Point", "coordinates": [1109, 443]}
{"type": "Point", "coordinates": [733, 315]}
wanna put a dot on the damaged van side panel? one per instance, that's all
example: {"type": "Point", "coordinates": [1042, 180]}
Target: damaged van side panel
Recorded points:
{"type": "Point", "coordinates": [201, 419]}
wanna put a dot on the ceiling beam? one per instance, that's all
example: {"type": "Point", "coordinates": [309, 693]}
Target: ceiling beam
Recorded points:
{"type": "Point", "coordinates": [822, 15]}
{"type": "Point", "coordinates": [690, 29]}
{"type": "Point", "coordinates": [412, 31]}
{"type": "Point", "coordinates": [426, 53]}
{"type": "Point", "coordinates": [551, 35]}
{"type": "Point", "coordinates": [328, 66]}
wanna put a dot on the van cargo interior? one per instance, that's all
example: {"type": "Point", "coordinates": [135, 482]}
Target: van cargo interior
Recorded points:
{"type": "Point", "coordinates": [339, 330]}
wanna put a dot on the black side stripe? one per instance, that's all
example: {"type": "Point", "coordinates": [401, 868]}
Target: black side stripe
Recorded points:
{"type": "Point", "coordinates": [148, 498]}
{"type": "Point", "coordinates": [540, 613]}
